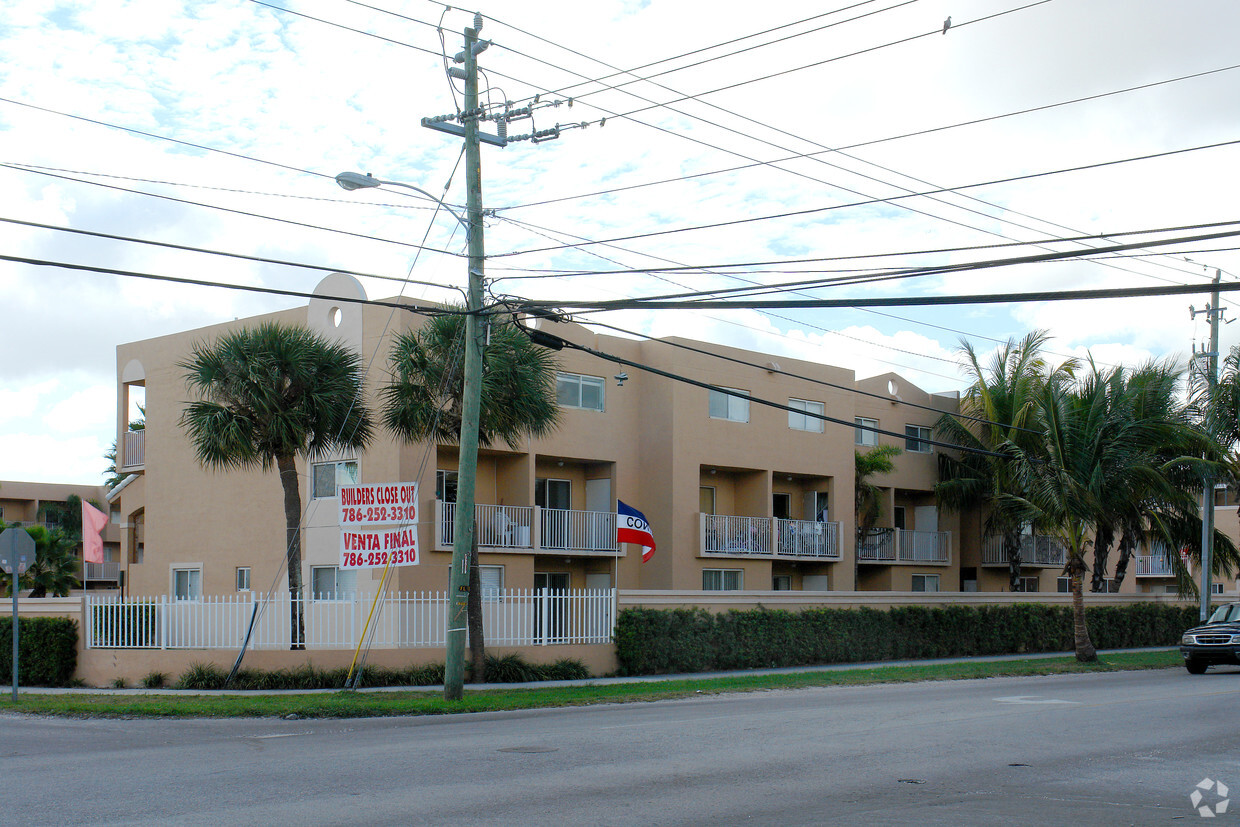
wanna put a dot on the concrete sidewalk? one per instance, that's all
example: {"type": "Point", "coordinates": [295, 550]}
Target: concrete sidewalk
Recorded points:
{"type": "Point", "coordinates": [788, 670]}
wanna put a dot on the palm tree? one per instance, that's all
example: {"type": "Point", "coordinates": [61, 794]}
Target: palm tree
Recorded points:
{"type": "Point", "coordinates": [1109, 457]}
{"type": "Point", "coordinates": [424, 401]}
{"type": "Point", "coordinates": [268, 395]}
{"type": "Point", "coordinates": [1002, 402]}
{"type": "Point", "coordinates": [55, 568]}
{"type": "Point", "coordinates": [867, 495]}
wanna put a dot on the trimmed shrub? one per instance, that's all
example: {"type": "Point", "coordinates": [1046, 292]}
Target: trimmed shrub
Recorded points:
{"type": "Point", "coordinates": [202, 676]}
{"type": "Point", "coordinates": [154, 680]}
{"type": "Point", "coordinates": [47, 654]}
{"type": "Point", "coordinates": [662, 641]}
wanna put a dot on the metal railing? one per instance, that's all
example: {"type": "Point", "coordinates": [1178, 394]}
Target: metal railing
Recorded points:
{"type": "Point", "coordinates": [1035, 550]}
{"type": "Point", "coordinates": [515, 617]}
{"type": "Point", "coordinates": [768, 536]}
{"type": "Point", "coordinates": [1154, 565]}
{"type": "Point", "coordinates": [101, 571]}
{"type": "Point", "coordinates": [899, 545]}
{"type": "Point", "coordinates": [134, 453]}
{"type": "Point", "coordinates": [582, 531]}
{"type": "Point", "coordinates": [561, 530]}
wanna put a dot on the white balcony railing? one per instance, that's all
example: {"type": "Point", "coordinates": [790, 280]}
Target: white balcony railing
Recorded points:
{"type": "Point", "coordinates": [101, 572]}
{"type": "Point", "coordinates": [1035, 550]}
{"type": "Point", "coordinates": [1154, 565]}
{"type": "Point", "coordinates": [563, 531]}
{"type": "Point", "coordinates": [133, 454]}
{"type": "Point", "coordinates": [767, 536]}
{"type": "Point", "coordinates": [898, 545]}
{"type": "Point", "coordinates": [516, 617]}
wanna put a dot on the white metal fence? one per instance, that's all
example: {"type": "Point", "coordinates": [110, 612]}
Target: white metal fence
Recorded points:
{"type": "Point", "coordinates": [515, 617]}
{"type": "Point", "coordinates": [727, 534]}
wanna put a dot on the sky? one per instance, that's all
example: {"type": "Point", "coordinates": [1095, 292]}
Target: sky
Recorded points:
{"type": "Point", "coordinates": [220, 125]}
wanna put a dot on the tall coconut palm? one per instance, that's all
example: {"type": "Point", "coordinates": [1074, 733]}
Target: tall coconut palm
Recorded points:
{"type": "Point", "coordinates": [268, 395]}
{"type": "Point", "coordinates": [1002, 401]}
{"type": "Point", "coordinates": [424, 401]}
{"type": "Point", "coordinates": [867, 494]}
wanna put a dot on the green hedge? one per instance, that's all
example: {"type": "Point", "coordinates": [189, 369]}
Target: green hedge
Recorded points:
{"type": "Point", "coordinates": [659, 641]}
{"type": "Point", "coordinates": [47, 654]}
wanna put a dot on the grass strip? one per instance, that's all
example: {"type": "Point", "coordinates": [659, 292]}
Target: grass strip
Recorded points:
{"type": "Point", "coordinates": [367, 705]}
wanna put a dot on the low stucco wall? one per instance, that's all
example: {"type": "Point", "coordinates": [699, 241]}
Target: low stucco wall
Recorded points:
{"type": "Point", "coordinates": [100, 667]}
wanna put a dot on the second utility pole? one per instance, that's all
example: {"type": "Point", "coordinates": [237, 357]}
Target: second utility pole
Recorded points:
{"type": "Point", "coordinates": [471, 401]}
{"type": "Point", "coordinates": [1207, 486]}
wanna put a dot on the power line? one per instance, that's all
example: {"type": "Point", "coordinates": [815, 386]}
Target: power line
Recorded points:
{"type": "Point", "coordinates": [231, 210]}
{"type": "Point", "coordinates": [816, 210]}
{"type": "Point", "coordinates": [418, 309]}
{"type": "Point", "coordinates": [841, 149]}
{"type": "Point", "coordinates": [996, 298]}
{"type": "Point", "coordinates": [208, 251]}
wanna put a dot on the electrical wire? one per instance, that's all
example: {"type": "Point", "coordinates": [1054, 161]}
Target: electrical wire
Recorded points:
{"type": "Point", "coordinates": [232, 211]}
{"type": "Point", "coordinates": [208, 251]}
{"type": "Point", "coordinates": [872, 201]}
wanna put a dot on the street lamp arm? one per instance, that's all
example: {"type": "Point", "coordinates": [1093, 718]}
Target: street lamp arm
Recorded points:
{"type": "Point", "coordinates": [356, 181]}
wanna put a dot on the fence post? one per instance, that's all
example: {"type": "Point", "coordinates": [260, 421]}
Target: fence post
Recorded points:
{"type": "Point", "coordinates": [163, 621]}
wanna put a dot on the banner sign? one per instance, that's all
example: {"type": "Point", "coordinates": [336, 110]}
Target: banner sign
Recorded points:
{"type": "Point", "coordinates": [392, 505]}
{"type": "Point", "coordinates": [379, 504]}
{"type": "Point", "coordinates": [371, 548]}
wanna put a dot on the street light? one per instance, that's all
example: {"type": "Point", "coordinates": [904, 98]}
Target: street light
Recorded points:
{"type": "Point", "coordinates": [350, 181]}
{"type": "Point", "coordinates": [471, 396]}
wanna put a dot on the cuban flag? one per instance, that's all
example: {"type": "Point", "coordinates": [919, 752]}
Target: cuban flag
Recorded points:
{"type": "Point", "coordinates": [631, 527]}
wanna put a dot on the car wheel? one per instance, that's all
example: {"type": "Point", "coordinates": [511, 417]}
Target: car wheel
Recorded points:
{"type": "Point", "coordinates": [1195, 667]}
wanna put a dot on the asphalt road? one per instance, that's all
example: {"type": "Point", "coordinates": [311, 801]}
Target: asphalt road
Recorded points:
{"type": "Point", "coordinates": [1116, 748]}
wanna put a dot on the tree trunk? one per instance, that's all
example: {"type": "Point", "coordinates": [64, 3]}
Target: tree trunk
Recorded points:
{"type": "Point", "coordinates": [473, 613]}
{"type": "Point", "coordinates": [1125, 555]}
{"type": "Point", "coordinates": [292, 521]}
{"type": "Point", "coordinates": [1011, 547]}
{"type": "Point", "coordinates": [1085, 652]}
{"type": "Point", "coordinates": [1102, 549]}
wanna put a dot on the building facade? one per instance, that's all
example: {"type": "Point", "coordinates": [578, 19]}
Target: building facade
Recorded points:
{"type": "Point", "coordinates": [740, 494]}
{"type": "Point", "coordinates": [43, 503]}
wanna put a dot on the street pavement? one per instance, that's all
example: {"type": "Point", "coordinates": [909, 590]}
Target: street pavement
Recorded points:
{"type": "Point", "coordinates": [1101, 749]}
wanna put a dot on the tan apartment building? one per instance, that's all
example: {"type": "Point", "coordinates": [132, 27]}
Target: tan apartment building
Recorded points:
{"type": "Point", "coordinates": [739, 494]}
{"type": "Point", "coordinates": [45, 504]}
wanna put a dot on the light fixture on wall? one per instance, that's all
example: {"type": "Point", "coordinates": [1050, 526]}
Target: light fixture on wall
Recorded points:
{"type": "Point", "coordinates": [712, 471]}
{"type": "Point", "coordinates": [560, 463]}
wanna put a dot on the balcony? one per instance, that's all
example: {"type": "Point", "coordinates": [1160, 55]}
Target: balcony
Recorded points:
{"type": "Point", "coordinates": [1154, 565]}
{"type": "Point", "coordinates": [725, 535]}
{"type": "Point", "coordinates": [101, 572]}
{"type": "Point", "coordinates": [885, 546]}
{"type": "Point", "coordinates": [1035, 550]}
{"type": "Point", "coordinates": [133, 452]}
{"type": "Point", "coordinates": [532, 529]}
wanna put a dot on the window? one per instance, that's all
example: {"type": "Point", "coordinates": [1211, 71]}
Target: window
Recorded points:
{"type": "Point", "coordinates": [572, 390]}
{"type": "Point", "coordinates": [1063, 584]}
{"type": "Point", "coordinates": [865, 436]}
{"type": "Point", "coordinates": [1027, 584]}
{"type": "Point", "coordinates": [243, 578]}
{"type": "Point", "coordinates": [330, 583]}
{"type": "Point", "coordinates": [925, 582]}
{"type": "Point", "coordinates": [329, 476]}
{"type": "Point", "coordinates": [1215, 588]}
{"type": "Point", "coordinates": [187, 584]}
{"type": "Point", "coordinates": [915, 438]}
{"type": "Point", "coordinates": [445, 486]}
{"type": "Point", "coordinates": [781, 583]}
{"type": "Point", "coordinates": [897, 517]}
{"type": "Point", "coordinates": [797, 419]}
{"type": "Point", "coordinates": [722, 580]}
{"type": "Point", "coordinates": [491, 580]}
{"type": "Point", "coordinates": [726, 406]}
{"type": "Point", "coordinates": [114, 515]}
